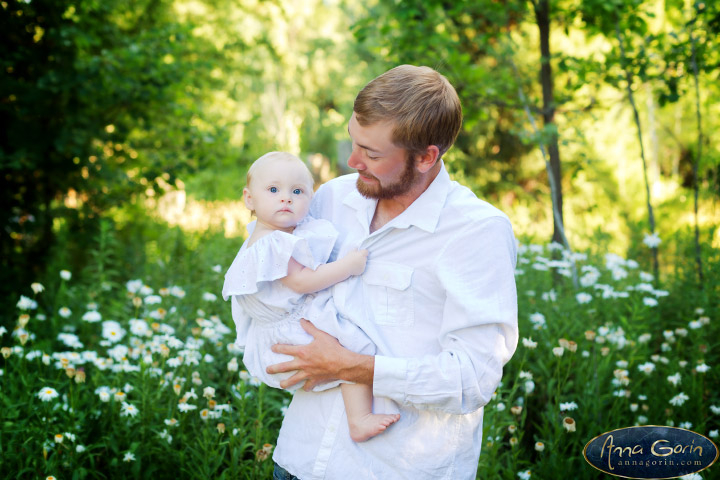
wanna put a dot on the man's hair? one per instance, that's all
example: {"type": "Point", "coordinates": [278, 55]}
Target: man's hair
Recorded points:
{"type": "Point", "coordinates": [271, 157]}
{"type": "Point", "coordinates": [422, 104]}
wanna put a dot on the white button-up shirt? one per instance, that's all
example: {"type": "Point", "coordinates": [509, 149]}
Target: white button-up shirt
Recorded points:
{"type": "Point", "coordinates": [438, 299]}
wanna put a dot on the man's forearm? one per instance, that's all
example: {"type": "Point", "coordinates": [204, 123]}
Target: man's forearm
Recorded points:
{"type": "Point", "coordinates": [322, 360]}
{"type": "Point", "coordinates": [357, 368]}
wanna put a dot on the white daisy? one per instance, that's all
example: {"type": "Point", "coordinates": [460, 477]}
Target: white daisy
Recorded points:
{"type": "Point", "coordinates": [186, 407]}
{"type": "Point", "coordinates": [647, 367]}
{"type": "Point", "coordinates": [583, 298]}
{"type": "Point", "coordinates": [177, 292]}
{"type": "Point", "coordinates": [133, 286]}
{"type": "Point", "coordinates": [153, 299]}
{"type": "Point", "coordinates": [112, 331]}
{"type": "Point", "coordinates": [47, 394]}
{"type": "Point", "coordinates": [128, 410]}
{"type": "Point", "coordinates": [538, 320]}
{"type": "Point", "coordinates": [209, 297]}
{"type": "Point", "coordinates": [652, 240]}
{"type": "Point", "coordinates": [675, 379]}
{"type": "Point", "coordinates": [650, 302]}
{"type": "Point", "coordinates": [679, 399]}
{"type": "Point", "coordinates": [93, 316]}
{"type": "Point", "coordinates": [26, 303]}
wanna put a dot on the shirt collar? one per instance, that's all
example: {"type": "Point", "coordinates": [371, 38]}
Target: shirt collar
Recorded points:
{"type": "Point", "coordinates": [423, 213]}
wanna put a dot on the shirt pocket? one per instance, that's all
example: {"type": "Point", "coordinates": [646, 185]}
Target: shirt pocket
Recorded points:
{"type": "Point", "coordinates": [389, 292]}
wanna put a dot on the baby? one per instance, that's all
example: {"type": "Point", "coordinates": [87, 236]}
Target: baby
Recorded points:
{"type": "Point", "coordinates": [280, 275]}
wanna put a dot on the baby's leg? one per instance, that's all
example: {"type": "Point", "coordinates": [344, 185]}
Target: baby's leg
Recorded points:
{"type": "Point", "coordinates": [362, 422]}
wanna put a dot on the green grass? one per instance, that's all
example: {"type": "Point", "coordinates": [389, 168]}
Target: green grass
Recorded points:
{"type": "Point", "coordinates": [163, 338]}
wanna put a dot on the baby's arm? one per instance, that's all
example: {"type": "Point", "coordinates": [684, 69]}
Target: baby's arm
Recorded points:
{"type": "Point", "coordinates": [304, 280]}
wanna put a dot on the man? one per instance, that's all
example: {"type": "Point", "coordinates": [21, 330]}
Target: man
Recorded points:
{"type": "Point", "coordinates": [437, 298]}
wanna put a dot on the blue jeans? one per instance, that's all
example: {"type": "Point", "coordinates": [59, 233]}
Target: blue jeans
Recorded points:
{"type": "Point", "coordinates": [281, 474]}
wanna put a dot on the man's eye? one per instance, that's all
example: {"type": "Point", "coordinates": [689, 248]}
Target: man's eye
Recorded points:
{"type": "Point", "coordinates": [273, 189]}
{"type": "Point", "coordinates": [297, 191]}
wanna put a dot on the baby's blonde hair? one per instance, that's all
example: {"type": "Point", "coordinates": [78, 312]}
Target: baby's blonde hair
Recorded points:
{"type": "Point", "coordinates": [276, 157]}
{"type": "Point", "coordinates": [272, 157]}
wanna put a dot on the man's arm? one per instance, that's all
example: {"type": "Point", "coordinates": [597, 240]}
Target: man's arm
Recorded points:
{"type": "Point", "coordinates": [478, 331]}
{"type": "Point", "coordinates": [323, 360]}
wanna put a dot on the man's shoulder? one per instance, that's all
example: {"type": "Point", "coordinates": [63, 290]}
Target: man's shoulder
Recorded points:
{"type": "Point", "coordinates": [465, 204]}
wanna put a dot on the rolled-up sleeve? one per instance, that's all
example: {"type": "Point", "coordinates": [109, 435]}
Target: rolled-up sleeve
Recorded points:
{"type": "Point", "coordinates": [478, 330]}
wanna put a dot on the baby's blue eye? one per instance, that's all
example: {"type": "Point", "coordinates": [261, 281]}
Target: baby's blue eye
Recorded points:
{"type": "Point", "coordinates": [273, 189]}
{"type": "Point", "coordinates": [297, 191]}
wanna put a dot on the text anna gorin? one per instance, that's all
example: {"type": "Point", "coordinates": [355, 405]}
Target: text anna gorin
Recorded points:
{"type": "Point", "coordinates": [650, 452]}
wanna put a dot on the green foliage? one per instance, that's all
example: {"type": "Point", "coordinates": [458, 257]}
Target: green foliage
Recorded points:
{"type": "Point", "coordinates": [476, 46]}
{"type": "Point", "coordinates": [466, 42]}
{"type": "Point", "coordinates": [286, 83]}
{"type": "Point", "coordinates": [602, 359]}
{"type": "Point", "coordinates": [78, 81]}
{"type": "Point", "coordinates": [124, 418]}
{"type": "Point", "coordinates": [597, 380]}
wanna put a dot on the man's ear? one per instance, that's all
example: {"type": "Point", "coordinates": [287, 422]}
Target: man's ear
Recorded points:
{"type": "Point", "coordinates": [426, 161]}
{"type": "Point", "coordinates": [248, 199]}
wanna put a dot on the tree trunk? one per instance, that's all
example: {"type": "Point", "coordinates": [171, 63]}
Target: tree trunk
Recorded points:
{"type": "Point", "coordinates": [542, 16]}
{"type": "Point", "coordinates": [698, 155]}
{"type": "Point", "coordinates": [636, 116]}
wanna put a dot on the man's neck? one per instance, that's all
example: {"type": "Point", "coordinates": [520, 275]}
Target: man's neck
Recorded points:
{"type": "Point", "coordinates": [389, 208]}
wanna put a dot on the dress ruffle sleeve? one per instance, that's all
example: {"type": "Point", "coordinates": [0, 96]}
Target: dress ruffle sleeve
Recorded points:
{"type": "Point", "coordinates": [321, 236]}
{"type": "Point", "coordinates": [310, 244]}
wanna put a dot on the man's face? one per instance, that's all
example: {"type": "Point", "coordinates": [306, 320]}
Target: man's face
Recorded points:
{"type": "Point", "coordinates": [280, 194]}
{"type": "Point", "coordinates": [385, 170]}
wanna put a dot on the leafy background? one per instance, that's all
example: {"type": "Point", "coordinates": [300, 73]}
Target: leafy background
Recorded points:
{"type": "Point", "coordinates": [127, 129]}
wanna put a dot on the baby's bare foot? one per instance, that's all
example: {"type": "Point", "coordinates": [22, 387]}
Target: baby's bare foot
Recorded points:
{"type": "Point", "coordinates": [367, 426]}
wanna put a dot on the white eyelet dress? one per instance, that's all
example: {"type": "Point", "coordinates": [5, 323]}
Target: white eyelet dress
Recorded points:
{"type": "Point", "coordinates": [254, 280]}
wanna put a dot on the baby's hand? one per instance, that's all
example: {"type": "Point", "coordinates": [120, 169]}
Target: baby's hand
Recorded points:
{"type": "Point", "coordinates": [356, 260]}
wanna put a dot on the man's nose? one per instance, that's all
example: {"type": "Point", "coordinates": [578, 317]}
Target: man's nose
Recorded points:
{"type": "Point", "coordinates": [354, 160]}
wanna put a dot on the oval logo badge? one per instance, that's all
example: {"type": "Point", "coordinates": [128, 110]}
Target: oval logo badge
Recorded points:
{"type": "Point", "coordinates": [650, 452]}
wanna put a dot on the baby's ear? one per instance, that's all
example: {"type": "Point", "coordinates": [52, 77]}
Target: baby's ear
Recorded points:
{"type": "Point", "coordinates": [247, 198]}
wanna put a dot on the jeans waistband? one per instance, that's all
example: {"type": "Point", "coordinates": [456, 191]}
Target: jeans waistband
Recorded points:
{"type": "Point", "coordinates": [281, 474]}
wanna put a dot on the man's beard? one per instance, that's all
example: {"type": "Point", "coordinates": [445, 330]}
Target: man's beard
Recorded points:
{"type": "Point", "coordinates": [383, 192]}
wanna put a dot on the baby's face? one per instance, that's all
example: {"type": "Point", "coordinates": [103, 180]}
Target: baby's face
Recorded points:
{"type": "Point", "coordinates": [280, 194]}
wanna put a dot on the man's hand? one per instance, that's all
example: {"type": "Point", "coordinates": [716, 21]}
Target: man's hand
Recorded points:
{"type": "Point", "coordinates": [322, 360]}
